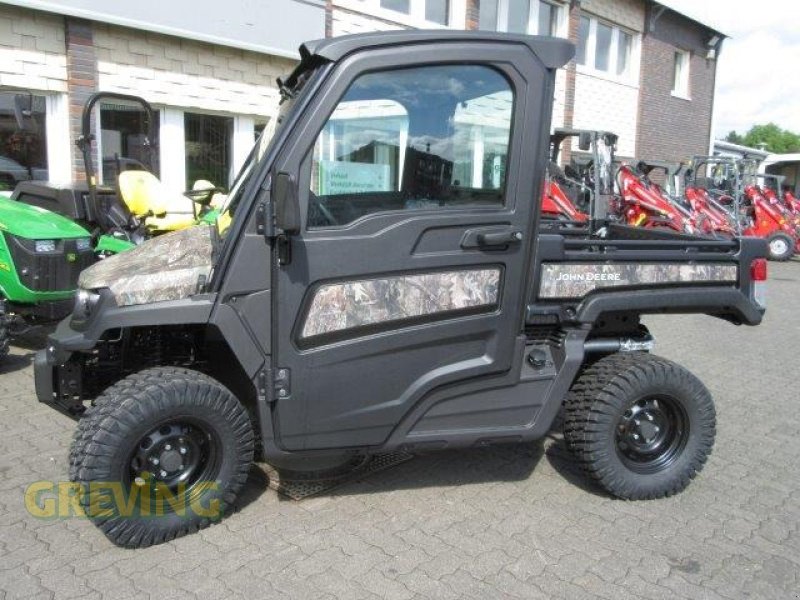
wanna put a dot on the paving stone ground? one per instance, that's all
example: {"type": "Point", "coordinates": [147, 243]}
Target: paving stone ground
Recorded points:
{"type": "Point", "coordinates": [516, 521]}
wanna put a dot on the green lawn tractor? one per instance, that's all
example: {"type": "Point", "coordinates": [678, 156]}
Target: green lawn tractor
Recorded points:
{"type": "Point", "coordinates": [41, 256]}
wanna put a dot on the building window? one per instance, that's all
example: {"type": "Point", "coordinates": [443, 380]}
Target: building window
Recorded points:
{"type": "Point", "coordinates": [536, 17]}
{"type": "Point", "coordinates": [518, 15]}
{"type": "Point", "coordinates": [124, 142]}
{"type": "Point", "coordinates": [23, 138]}
{"type": "Point", "coordinates": [605, 48]}
{"type": "Point", "coordinates": [209, 144]}
{"type": "Point", "coordinates": [437, 11]}
{"type": "Point", "coordinates": [403, 6]}
{"type": "Point", "coordinates": [624, 49]}
{"type": "Point", "coordinates": [583, 40]}
{"type": "Point", "coordinates": [548, 19]}
{"type": "Point", "coordinates": [419, 12]}
{"type": "Point", "coordinates": [680, 77]}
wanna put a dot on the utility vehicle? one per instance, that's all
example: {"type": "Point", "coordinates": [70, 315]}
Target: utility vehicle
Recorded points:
{"type": "Point", "coordinates": [771, 189]}
{"type": "Point", "coordinates": [584, 183]}
{"type": "Point", "coordinates": [644, 203]}
{"type": "Point", "coordinates": [378, 282]}
{"type": "Point", "coordinates": [771, 221]}
{"type": "Point", "coordinates": [791, 201]}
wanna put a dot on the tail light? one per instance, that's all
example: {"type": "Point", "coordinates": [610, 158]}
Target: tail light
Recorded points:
{"type": "Point", "coordinates": [758, 275]}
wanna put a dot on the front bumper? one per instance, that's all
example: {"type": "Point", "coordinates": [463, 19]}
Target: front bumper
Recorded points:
{"type": "Point", "coordinates": [57, 374]}
{"type": "Point", "coordinates": [59, 369]}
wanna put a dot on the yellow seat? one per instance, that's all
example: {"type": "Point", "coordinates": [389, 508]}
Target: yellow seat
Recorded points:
{"type": "Point", "coordinates": [148, 199]}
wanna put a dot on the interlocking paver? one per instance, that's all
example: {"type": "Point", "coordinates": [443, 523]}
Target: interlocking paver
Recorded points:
{"type": "Point", "coordinates": [505, 522]}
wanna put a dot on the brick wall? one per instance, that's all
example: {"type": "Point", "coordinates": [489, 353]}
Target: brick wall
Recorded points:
{"type": "Point", "coordinates": [32, 50]}
{"type": "Point", "coordinates": [472, 14]}
{"type": "Point", "coordinates": [567, 109]}
{"type": "Point", "coordinates": [179, 72]}
{"type": "Point", "coordinates": [81, 82]}
{"type": "Point", "coordinates": [675, 128]}
{"type": "Point", "coordinates": [627, 13]}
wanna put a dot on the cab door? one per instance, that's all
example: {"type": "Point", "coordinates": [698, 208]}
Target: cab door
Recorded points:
{"type": "Point", "coordinates": [418, 177]}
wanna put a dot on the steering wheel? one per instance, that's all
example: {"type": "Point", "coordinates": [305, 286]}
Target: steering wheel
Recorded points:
{"type": "Point", "coordinates": [316, 210]}
{"type": "Point", "coordinates": [203, 196]}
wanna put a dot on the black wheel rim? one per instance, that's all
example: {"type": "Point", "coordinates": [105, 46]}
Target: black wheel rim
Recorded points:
{"type": "Point", "coordinates": [182, 455]}
{"type": "Point", "coordinates": [652, 433]}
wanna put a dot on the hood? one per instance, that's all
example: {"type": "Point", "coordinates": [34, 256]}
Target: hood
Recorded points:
{"type": "Point", "coordinates": [34, 223]}
{"type": "Point", "coordinates": [167, 267]}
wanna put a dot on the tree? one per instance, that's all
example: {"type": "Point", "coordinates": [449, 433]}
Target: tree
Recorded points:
{"type": "Point", "coordinates": [734, 138]}
{"type": "Point", "coordinates": [780, 141]}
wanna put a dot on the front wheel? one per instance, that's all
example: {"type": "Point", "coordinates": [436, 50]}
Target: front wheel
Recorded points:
{"type": "Point", "coordinates": [5, 331]}
{"type": "Point", "coordinates": [781, 246]}
{"type": "Point", "coordinates": [640, 425]}
{"type": "Point", "coordinates": [164, 454]}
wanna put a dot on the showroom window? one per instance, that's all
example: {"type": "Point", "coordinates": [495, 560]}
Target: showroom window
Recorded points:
{"type": "Point", "coordinates": [680, 75]}
{"type": "Point", "coordinates": [209, 145]}
{"type": "Point", "coordinates": [606, 48]}
{"type": "Point", "coordinates": [124, 141]}
{"type": "Point", "coordinates": [434, 137]}
{"type": "Point", "coordinates": [23, 138]}
{"type": "Point", "coordinates": [536, 17]}
{"type": "Point", "coordinates": [433, 12]}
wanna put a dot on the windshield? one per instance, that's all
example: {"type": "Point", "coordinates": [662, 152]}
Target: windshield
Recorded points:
{"type": "Point", "coordinates": [277, 115]}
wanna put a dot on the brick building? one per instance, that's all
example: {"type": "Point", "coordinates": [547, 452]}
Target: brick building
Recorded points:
{"type": "Point", "coordinates": [211, 80]}
{"type": "Point", "coordinates": [643, 70]}
{"type": "Point", "coordinates": [676, 113]}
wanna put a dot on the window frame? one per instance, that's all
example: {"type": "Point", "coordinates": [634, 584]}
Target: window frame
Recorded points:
{"type": "Point", "coordinates": [681, 80]}
{"type": "Point", "coordinates": [533, 17]}
{"type": "Point", "coordinates": [630, 75]}
{"type": "Point", "coordinates": [414, 18]}
{"type": "Point", "coordinates": [306, 172]}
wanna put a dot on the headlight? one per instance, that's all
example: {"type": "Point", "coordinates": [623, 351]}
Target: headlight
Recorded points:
{"type": "Point", "coordinates": [45, 246]}
{"type": "Point", "coordinates": [83, 244]}
{"type": "Point", "coordinates": [85, 301]}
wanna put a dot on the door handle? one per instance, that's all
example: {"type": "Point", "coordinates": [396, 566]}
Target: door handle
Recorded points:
{"type": "Point", "coordinates": [500, 238]}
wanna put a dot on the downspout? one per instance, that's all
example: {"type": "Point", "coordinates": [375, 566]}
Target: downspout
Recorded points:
{"type": "Point", "coordinates": [573, 26]}
{"type": "Point", "coordinates": [718, 51]}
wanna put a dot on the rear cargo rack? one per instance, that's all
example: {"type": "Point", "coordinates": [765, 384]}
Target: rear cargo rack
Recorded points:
{"type": "Point", "coordinates": [655, 250]}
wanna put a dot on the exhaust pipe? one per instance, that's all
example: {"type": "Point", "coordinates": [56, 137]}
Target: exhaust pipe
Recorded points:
{"type": "Point", "coordinates": [611, 345]}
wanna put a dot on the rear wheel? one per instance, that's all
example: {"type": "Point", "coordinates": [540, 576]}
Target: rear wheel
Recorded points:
{"type": "Point", "coordinates": [163, 453]}
{"type": "Point", "coordinates": [640, 425]}
{"type": "Point", "coordinates": [781, 246]}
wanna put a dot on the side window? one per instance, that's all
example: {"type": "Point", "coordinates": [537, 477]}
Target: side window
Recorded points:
{"type": "Point", "coordinates": [433, 137]}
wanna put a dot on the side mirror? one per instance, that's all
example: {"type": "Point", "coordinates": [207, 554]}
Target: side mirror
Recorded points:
{"type": "Point", "coordinates": [286, 204]}
{"type": "Point", "coordinates": [584, 141]}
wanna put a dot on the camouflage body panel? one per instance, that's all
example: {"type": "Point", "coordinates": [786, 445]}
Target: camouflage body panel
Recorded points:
{"type": "Point", "coordinates": [571, 280]}
{"type": "Point", "coordinates": [340, 306]}
{"type": "Point", "coordinates": [163, 268]}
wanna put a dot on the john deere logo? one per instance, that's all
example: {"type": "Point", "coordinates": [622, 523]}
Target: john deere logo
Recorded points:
{"type": "Point", "coordinates": [71, 257]}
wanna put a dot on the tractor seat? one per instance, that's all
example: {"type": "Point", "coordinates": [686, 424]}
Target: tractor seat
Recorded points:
{"type": "Point", "coordinates": [148, 199]}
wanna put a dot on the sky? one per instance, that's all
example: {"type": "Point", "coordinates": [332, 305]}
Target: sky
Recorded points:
{"type": "Point", "coordinates": [758, 76]}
